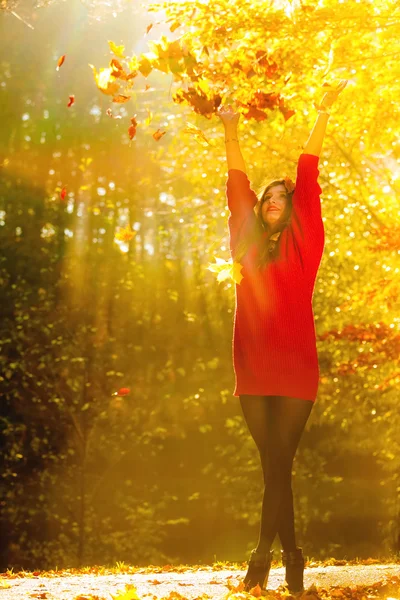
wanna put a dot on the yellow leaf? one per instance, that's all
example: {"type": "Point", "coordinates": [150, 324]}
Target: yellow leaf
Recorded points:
{"type": "Point", "coordinates": [236, 274]}
{"type": "Point", "coordinates": [105, 81]}
{"type": "Point", "coordinates": [226, 270]}
{"type": "Point", "coordinates": [198, 135]}
{"type": "Point", "coordinates": [117, 50]}
{"type": "Point", "coordinates": [149, 117]}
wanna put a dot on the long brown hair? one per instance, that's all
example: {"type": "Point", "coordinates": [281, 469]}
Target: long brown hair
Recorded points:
{"type": "Point", "coordinates": [253, 231]}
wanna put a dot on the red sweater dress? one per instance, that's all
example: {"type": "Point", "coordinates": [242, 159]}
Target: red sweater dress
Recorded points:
{"type": "Point", "coordinates": [274, 342]}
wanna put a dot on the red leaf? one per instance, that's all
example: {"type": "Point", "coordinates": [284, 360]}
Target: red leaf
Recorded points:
{"type": "Point", "coordinates": [131, 132]}
{"type": "Point", "coordinates": [287, 113]}
{"type": "Point", "coordinates": [60, 62]}
{"type": "Point", "coordinates": [254, 113]}
{"type": "Point", "coordinates": [132, 128]}
{"type": "Point", "coordinates": [123, 391]}
{"type": "Point", "coordinates": [63, 193]}
{"type": "Point", "coordinates": [71, 100]}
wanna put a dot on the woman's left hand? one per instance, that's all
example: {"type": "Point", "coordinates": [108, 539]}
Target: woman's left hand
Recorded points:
{"type": "Point", "coordinates": [332, 95]}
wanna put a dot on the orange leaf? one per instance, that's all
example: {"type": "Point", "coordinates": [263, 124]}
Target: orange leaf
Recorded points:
{"type": "Point", "coordinates": [287, 113]}
{"type": "Point", "coordinates": [149, 27]}
{"type": "Point", "coordinates": [198, 98]}
{"type": "Point", "coordinates": [63, 193]}
{"type": "Point", "coordinates": [254, 113]}
{"type": "Point", "coordinates": [132, 128]}
{"type": "Point", "coordinates": [125, 234]}
{"type": "Point", "coordinates": [174, 26]}
{"type": "Point", "coordinates": [60, 62]}
{"type": "Point", "coordinates": [121, 98]}
{"type": "Point", "coordinates": [158, 134]}
{"type": "Point", "coordinates": [289, 184]}
{"type": "Point", "coordinates": [71, 100]}
{"type": "Point", "coordinates": [117, 68]}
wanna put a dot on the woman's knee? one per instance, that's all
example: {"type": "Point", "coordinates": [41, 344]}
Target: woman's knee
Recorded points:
{"type": "Point", "coordinates": [277, 465]}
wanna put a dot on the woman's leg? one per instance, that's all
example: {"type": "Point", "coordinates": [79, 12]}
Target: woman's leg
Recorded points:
{"type": "Point", "coordinates": [276, 424]}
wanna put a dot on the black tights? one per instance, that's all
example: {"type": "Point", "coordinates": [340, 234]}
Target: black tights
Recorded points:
{"type": "Point", "coordinates": [276, 424]}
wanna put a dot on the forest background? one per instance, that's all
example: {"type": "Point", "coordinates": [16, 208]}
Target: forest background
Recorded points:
{"type": "Point", "coordinates": [120, 436]}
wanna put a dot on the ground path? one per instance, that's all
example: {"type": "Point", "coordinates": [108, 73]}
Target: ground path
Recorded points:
{"type": "Point", "coordinates": [190, 583]}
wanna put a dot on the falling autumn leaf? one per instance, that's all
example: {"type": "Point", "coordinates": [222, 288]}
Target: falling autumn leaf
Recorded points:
{"type": "Point", "coordinates": [254, 113]}
{"type": "Point", "coordinates": [125, 234]}
{"type": "Point", "coordinates": [71, 100]}
{"type": "Point", "coordinates": [105, 81]}
{"type": "Point", "coordinates": [145, 66]}
{"type": "Point", "coordinates": [110, 114]}
{"type": "Point", "coordinates": [60, 62]}
{"type": "Point", "coordinates": [226, 269]}
{"type": "Point", "coordinates": [158, 134]}
{"type": "Point", "coordinates": [132, 128]}
{"type": "Point", "coordinates": [117, 50]}
{"type": "Point", "coordinates": [174, 26]}
{"type": "Point", "coordinates": [147, 87]}
{"type": "Point", "coordinates": [122, 392]}
{"type": "Point", "coordinates": [121, 98]}
{"type": "Point", "coordinates": [149, 117]}
{"type": "Point", "coordinates": [149, 27]}
{"type": "Point", "coordinates": [63, 193]}
{"type": "Point", "coordinates": [198, 134]}
{"type": "Point", "coordinates": [131, 132]}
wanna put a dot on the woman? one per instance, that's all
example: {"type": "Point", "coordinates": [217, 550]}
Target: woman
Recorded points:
{"type": "Point", "coordinates": [279, 241]}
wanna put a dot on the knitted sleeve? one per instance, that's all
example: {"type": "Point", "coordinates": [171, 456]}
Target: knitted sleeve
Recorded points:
{"type": "Point", "coordinates": [306, 220]}
{"type": "Point", "coordinates": [241, 202]}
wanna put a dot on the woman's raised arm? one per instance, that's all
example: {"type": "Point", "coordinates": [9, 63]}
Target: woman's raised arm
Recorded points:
{"type": "Point", "coordinates": [234, 156]}
{"type": "Point", "coordinates": [314, 142]}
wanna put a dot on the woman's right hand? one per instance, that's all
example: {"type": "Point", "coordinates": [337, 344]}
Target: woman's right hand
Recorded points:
{"type": "Point", "coordinates": [228, 116]}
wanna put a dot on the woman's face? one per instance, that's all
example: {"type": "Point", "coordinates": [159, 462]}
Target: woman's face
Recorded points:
{"type": "Point", "coordinates": [274, 204]}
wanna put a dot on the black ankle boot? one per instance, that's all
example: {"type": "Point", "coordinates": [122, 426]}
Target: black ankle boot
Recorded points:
{"type": "Point", "coordinates": [294, 563]}
{"type": "Point", "coordinates": [259, 566]}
